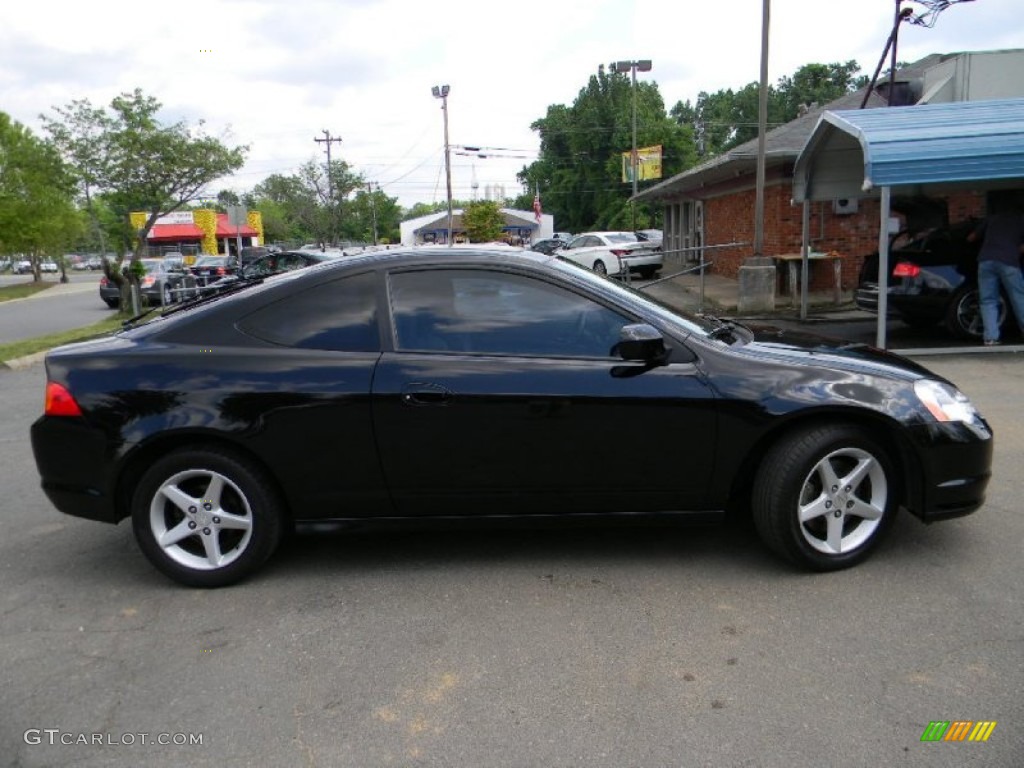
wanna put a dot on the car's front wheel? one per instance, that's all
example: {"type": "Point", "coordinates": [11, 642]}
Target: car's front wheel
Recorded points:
{"type": "Point", "coordinates": [824, 497]}
{"type": "Point", "coordinates": [206, 517]}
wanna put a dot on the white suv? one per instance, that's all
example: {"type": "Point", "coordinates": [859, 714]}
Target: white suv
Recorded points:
{"type": "Point", "coordinates": [614, 253]}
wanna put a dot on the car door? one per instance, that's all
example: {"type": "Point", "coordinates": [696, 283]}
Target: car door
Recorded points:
{"type": "Point", "coordinates": [502, 395]}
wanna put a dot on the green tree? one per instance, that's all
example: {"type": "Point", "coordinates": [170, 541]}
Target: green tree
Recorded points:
{"type": "Point", "coordinates": [374, 217]}
{"type": "Point", "coordinates": [37, 214]}
{"type": "Point", "coordinates": [727, 118]}
{"type": "Point", "coordinates": [81, 135]}
{"type": "Point", "coordinates": [579, 167]}
{"type": "Point", "coordinates": [483, 220]}
{"type": "Point", "coordinates": [149, 166]}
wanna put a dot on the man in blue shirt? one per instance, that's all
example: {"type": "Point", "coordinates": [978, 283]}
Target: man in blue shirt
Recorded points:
{"type": "Point", "coordinates": [999, 263]}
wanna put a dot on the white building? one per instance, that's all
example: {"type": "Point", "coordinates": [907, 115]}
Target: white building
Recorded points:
{"type": "Point", "coordinates": [433, 228]}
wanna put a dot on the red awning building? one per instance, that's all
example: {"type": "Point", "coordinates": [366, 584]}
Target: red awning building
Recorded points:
{"type": "Point", "coordinates": [202, 231]}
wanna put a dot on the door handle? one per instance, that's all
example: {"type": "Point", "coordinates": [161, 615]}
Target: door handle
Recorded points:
{"type": "Point", "coordinates": [420, 393]}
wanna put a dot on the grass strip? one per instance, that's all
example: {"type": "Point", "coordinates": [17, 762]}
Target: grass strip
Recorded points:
{"type": "Point", "coordinates": [22, 290]}
{"type": "Point", "coordinates": [16, 349]}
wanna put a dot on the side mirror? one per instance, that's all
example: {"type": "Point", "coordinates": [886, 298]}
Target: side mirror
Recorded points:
{"type": "Point", "coordinates": [641, 342]}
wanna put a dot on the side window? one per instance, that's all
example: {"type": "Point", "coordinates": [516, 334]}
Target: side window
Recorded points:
{"type": "Point", "coordinates": [340, 315]}
{"type": "Point", "coordinates": [498, 313]}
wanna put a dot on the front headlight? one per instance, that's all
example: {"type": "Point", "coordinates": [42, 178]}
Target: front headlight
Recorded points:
{"type": "Point", "coordinates": [944, 402]}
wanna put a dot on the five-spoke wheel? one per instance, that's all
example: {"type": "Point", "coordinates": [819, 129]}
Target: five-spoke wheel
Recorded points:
{"type": "Point", "coordinates": [824, 497]}
{"type": "Point", "coordinates": [205, 517]}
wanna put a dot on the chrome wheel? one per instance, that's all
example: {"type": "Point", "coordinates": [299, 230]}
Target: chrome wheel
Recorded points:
{"type": "Point", "coordinates": [206, 516]}
{"type": "Point", "coordinates": [842, 501]}
{"type": "Point", "coordinates": [964, 319]}
{"type": "Point", "coordinates": [600, 268]}
{"type": "Point", "coordinates": [825, 496]}
{"type": "Point", "coordinates": [200, 519]}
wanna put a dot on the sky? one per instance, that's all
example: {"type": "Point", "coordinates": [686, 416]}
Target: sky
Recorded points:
{"type": "Point", "coordinates": [275, 74]}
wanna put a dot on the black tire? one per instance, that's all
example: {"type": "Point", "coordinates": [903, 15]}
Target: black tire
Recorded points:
{"type": "Point", "coordinates": [112, 303]}
{"type": "Point", "coordinates": [245, 533]}
{"type": "Point", "coordinates": [168, 295]}
{"type": "Point", "coordinates": [647, 272]}
{"type": "Point", "coordinates": [963, 315]}
{"type": "Point", "coordinates": [791, 475]}
{"type": "Point", "coordinates": [600, 268]}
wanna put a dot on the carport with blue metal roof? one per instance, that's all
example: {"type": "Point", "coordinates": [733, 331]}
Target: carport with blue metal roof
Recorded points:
{"type": "Point", "coordinates": [908, 150]}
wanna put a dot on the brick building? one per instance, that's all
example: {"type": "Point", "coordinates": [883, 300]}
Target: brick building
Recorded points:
{"type": "Point", "coordinates": [709, 209]}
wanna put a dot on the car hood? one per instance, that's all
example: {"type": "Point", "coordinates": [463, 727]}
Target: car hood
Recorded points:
{"type": "Point", "coordinates": [811, 349]}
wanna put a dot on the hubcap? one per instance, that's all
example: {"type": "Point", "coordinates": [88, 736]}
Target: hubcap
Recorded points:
{"type": "Point", "coordinates": [201, 519]}
{"type": "Point", "coordinates": [842, 501]}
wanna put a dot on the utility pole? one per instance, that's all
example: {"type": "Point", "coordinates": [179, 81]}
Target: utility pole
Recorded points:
{"type": "Point", "coordinates": [373, 206]}
{"type": "Point", "coordinates": [328, 140]}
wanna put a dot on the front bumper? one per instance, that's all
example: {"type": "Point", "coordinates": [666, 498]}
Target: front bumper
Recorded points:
{"type": "Point", "coordinates": [956, 465]}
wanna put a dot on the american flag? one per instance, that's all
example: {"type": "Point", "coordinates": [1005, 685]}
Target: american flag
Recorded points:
{"type": "Point", "coordinates": [536, 206]}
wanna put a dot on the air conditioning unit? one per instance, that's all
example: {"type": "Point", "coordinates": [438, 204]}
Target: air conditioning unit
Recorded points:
{"type": "Point", "coordinates": [844, 205]}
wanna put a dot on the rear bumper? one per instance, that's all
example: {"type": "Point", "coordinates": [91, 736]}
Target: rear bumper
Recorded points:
{"type": "Point", "coordinates": [73, 461]}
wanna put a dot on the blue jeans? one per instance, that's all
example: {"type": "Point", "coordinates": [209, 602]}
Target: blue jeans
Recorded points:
{"type": "Point", "coordinates": [992, 274]}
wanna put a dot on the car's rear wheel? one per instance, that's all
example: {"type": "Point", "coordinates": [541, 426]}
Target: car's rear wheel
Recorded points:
{"type": "Point", "coordinates": [824, 497]}
{"type": "Point", "coordinates": [168, 294]}
{"type": "Point", "coordinates": [963, 317]}
{"type": "Point", "coordinates": [112, 303]}
{"type": "Point", "coordinates": [205, 517]}
{"type": "Point", "coordinates": [600, 268]}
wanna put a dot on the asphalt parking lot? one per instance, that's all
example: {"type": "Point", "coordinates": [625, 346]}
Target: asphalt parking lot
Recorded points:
{"type": "Point", "coordinates": [615, 647]}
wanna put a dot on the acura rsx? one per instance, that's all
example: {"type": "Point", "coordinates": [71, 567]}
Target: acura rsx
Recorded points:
{"type": "Point", "coordinates": [466, 383]}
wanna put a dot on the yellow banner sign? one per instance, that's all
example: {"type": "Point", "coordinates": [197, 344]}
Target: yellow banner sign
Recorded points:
{"type": "Point", "coordinates": [648, 164]}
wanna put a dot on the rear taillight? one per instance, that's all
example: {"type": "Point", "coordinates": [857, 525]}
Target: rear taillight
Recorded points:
{"type": "Point", "coordinates": [104, 281]}
{"type": "Point", "coordinates": [619, 252]}
{"type": "Point", "coordinates": [221, 271]}
{"type": "Point", "coordinates": [906, 269]}
{"type": "Point", "coordinates": [59, 401]}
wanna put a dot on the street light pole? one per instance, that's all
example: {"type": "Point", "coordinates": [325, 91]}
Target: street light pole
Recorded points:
{"type": "Point", "coordinates": [441, 92]}
{"type": "Point", "coordinates": [643, 65]}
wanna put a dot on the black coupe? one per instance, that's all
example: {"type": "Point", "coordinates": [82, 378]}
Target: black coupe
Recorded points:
{"type": "Point", "coordinates": [481, 382]}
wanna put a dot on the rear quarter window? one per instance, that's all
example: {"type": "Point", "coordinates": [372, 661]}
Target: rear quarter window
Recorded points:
{"type": "Point", "coordinates": [340, 315]}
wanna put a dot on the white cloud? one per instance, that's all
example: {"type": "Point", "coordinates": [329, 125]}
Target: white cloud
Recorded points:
{"type": "Point", "coordinates": [278, 72]}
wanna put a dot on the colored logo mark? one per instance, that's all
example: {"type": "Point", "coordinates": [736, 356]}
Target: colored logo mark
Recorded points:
{"type": "Point", "coordinates": [958, 730]}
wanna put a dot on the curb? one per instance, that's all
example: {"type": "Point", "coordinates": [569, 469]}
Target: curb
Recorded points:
{"type": "Point", "coordinates": [27, 361]}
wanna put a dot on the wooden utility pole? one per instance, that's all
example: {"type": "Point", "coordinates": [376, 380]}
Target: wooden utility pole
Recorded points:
{"type": "Point", "coordinates": [328, 140]}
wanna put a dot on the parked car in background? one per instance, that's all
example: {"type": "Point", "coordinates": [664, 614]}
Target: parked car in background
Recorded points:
{"type": "Point", "coordinates": [48, 266]}
{"type": "Point", "coordinates": [933, 281]}
{"type": "Point", "coordinates": [210, 269]}
{"type": "Point", "coordinates": [548, 245]}
{"type": "Point", "coordinates": [274, 263]}
{"type": "Point", "coordinates": [653, 236]}
{"type": "Point", "coordinates": [357, 390]}
{"type": "Point", "coordinates": [614, 253]}
{"type": "Point", "coordinates": [252, 252]}
{"type": "Point", "coordinates": [23, 267]}
{"type": "Point", "coordinates": [165, 282]}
